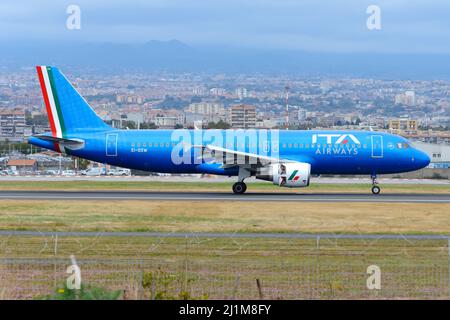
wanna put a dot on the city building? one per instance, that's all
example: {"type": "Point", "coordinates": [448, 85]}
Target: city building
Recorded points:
{"type": "Point", "coordinates": [200, 91]}
{"type": "Point", "coordinates": [129, 99]}
{"type": "Point", "coordinates": [13, 126]}
{"type": "Point", "coordinates": [408, 98]}
{"type": "Point", "coordinates": [165, 122]}
{"type": "Point", "coordinates": [136, 117]}
{"type": "Point", "coordinates": [242, 116]}
{"type": "Point", "coordinates": [438, 153]}
{"type": "Point", "coordinates": [429, 136]}
{"type": "Point", "coordinates": [206, 108]}
{"type": "Point", "coordinates": [217, 92]}
{"type": "Point", "coordinates": [241, 93]}
{"type": "Point", "coordinates": [403, 125]}
{"type": "Point", "coordinates": [266, 124]}
{"type": "Point", "coordinates": [22, 165]}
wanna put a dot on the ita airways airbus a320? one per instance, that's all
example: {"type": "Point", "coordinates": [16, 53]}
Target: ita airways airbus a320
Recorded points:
{"type": "Point", "coordinates": [285, 158]}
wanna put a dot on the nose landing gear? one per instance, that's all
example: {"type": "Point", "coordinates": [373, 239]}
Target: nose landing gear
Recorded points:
{"type": "Point", "coordinates": [375, 188]}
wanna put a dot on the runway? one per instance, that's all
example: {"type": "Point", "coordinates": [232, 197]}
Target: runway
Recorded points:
{"type": "Point", "coordinates": [217, 196]}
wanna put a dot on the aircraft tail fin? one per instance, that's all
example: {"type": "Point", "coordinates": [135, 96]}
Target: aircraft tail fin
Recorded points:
{"type": "Point", "coordinates": [68, 112]}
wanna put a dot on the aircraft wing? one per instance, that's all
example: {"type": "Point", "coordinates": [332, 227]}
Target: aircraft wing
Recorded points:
{"type": "Point", "coordinates": [232, 158]}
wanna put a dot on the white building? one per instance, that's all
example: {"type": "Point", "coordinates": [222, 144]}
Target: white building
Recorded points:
{"type": "Point", "coordinates": [206, 108]}
{"type": "Point", "coordinates": [408, 98]}
{"type": "Point", "coordinates": [166, 122]}
{"type": "Point", "coordinates": [241, 93]}
{"type": "Point", "coordinates": [438, 153]}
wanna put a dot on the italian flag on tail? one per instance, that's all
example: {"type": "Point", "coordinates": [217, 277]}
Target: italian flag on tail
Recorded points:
{"type": "Point", "coordinates": [51, 101]}
{"type": "Point", "coordinates": [52, 104]}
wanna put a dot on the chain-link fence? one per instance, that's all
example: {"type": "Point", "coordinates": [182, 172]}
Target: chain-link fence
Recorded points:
{"type": "Point", "coordinates": [333, 272]}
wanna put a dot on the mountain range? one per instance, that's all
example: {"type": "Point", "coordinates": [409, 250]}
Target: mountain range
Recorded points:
{"type": "Point", "coordinates": [176, 56]}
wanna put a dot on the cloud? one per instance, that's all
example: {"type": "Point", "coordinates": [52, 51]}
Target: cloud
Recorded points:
{"type": "Point", "coordinates": [329, 26]}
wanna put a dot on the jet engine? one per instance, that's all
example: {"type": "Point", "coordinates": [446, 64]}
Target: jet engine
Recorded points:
{"type": "Point", "coordinates": [290, 174]}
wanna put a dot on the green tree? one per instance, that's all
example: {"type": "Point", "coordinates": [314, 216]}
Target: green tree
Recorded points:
{"type": "Point", "coordinates": [128, 124]}
{"type": "Point", "coordinates": [148, 125]}
{"type": "Point", "coordinates": [83, 163]}
{"type": "Point", "coordinates": [218, 125]}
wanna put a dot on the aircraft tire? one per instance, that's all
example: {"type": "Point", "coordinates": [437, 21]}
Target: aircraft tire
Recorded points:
{"type": "Point", "coordinates": [376, 189]}
{"type": "Point", "coordinates": [239, 187]}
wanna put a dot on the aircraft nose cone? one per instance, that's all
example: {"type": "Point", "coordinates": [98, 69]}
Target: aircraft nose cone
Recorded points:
{"type": "Point", "coordinates": [422, 159]}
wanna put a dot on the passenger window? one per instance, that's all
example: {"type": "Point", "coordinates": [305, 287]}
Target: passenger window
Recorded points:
{"type": "Point", "coordinates": [403, 145]}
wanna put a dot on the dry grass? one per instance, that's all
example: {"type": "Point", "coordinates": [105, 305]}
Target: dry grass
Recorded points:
{"type": "Point", "coordinates": [287, 268]}
{"type": "Point", "coordinates": [212, 216]}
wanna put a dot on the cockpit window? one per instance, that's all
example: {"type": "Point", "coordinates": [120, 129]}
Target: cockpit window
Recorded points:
{"type": "Point", "coordinates": [402, 145]}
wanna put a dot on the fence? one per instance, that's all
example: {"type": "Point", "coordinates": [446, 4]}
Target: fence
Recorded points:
{"type": "Point", "coordinates": [310, 270]}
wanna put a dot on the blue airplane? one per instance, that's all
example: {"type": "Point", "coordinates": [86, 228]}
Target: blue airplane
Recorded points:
{"type": "Point", "coordinates": [286, 158]}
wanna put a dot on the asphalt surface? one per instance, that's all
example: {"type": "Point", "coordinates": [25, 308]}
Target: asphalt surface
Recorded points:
{"type": "Point", "coordinates": [316, 236]}
{"type": "Point", "coordinates": [216, 196]}
{"type": "Point", "coordinates": [219, 179]}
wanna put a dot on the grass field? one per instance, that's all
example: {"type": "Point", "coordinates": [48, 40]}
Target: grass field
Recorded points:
{"type": "Point", "coordinates": [214, 187]}
{"type": "Point", "coordinates": [212, 216]}
{"type": "Point", "coordinates": [227, 268]}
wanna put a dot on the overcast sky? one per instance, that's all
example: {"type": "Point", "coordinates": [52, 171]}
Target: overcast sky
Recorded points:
{"type": "Point", "coordinates": [407, 26]}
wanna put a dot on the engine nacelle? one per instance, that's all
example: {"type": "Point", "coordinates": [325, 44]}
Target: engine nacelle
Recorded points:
{"type": "Point", "coordinates": [290, 174]}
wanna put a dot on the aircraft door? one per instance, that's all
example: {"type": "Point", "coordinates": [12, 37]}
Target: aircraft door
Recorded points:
{"type": "Point", "coordinates": [377, 146]}
{"type": "Point", "coordinates": [111, 144]}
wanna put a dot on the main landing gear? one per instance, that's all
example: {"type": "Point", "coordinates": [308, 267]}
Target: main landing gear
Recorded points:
{"type": "Point", "coordinates": [375, 188]}
{"type": "Point", "coordinates": [240, 187]}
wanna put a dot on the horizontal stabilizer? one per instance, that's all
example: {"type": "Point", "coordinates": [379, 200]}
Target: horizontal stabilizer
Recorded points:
{"type": "Point", "coordinates": [72, 144]}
